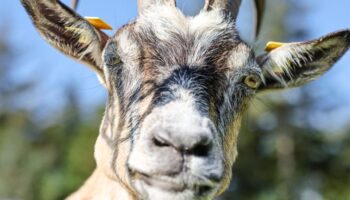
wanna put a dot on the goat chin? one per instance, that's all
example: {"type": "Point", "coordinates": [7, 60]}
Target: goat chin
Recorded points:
{"type": "Point", "coordinates": [149, 192]}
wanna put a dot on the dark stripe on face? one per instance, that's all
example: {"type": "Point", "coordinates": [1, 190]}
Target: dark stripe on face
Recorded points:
{"type": "Point", "coordinates": [121, 97]}
{"type": "Point", "coordinates": [198, 81]}
{"type": "Point", "coordinates": [134, 116]}
{"type": "Point", "coordinates": [221, 49]}
{"type": "Point", "coordinates": [108, 122]}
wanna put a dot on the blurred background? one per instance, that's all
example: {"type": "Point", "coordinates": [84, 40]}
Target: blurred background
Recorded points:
{"type": "Point", "coordinates": [294, 144]}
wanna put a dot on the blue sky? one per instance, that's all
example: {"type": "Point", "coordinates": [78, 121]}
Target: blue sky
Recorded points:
{"type": "Point", "coordinates": [37, 60]}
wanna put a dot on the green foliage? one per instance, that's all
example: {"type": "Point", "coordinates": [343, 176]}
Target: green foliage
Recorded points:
{"type": "Point", "coordinates": [41, 161]}
{"type": "Point", "coordinates": [280, 159]}
{"type": "Point", "coordinates": [48, 164]}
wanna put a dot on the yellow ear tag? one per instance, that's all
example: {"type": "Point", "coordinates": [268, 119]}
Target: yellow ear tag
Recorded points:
{"type": "Point", "coordinates": [273, 45]}
{"type": "Point", "coordinates": [98, 23]}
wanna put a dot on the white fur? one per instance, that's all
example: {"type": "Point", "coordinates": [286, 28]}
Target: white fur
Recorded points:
{"type": "Point", "coordinates": [180, 116]}
{"type": "Point", "coordinates": [239, 57]}
{"type": "Point", "coordinates": [282, 59]}
{"type": "Point", "coordinates": [202, 29]}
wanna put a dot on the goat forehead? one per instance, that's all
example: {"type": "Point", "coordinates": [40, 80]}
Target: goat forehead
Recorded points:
{"type": "Point", "coordinates": [162, 39]}
{"type": "Point", "coordinates": [166, 20]}
{"type": "Point", "coordinates": [166, 33]}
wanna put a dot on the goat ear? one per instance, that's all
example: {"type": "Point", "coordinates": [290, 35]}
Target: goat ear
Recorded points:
{"type": "Point", "coordinates": [295, 64]}
{"type": "Point", "coordinates": [67, 31]}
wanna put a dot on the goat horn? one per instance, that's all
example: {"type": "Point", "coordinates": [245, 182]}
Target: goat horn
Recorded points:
{"type": "Point", "coordinates": [230, 5]}
{"type": "Point", "coordinates": [144, 4]}
{"type": "Point", "coordinates": [259, 9]}
{"type": "Point", "coordinates": [233, 6]}
{"type": "Point", "coordinates": [74, 4]}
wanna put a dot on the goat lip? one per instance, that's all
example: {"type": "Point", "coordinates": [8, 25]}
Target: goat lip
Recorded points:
{"type": "Point", "coordinates": [173, 184]}
{"type": "Point", "coordinates": [162, 184]}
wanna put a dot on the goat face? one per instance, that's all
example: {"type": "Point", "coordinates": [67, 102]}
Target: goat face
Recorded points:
{"type": "Point", "coordinates": [180, 85]}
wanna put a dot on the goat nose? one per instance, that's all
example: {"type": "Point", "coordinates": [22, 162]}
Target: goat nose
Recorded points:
{"type": "Point", "coordinates": [196, 143]}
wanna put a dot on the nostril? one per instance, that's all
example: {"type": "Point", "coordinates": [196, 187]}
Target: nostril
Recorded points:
{"type": "Point", "coordinates": [202, 190]}
{"type": "Point", "coordinates": [191, 143]}
{"type": "Point", "coordinates": [201, 150]}
{"type": "Point", "coordinates": [160, 142]}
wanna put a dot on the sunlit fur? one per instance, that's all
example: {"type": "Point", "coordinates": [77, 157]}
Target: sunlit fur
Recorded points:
{"type": "Point", "coordinates": [177, 77]}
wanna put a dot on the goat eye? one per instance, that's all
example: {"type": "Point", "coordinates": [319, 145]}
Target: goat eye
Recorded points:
{"type": "Point", "coordinates": [112, 60]}
{"type": "Point", "coordinates": [252, 81]}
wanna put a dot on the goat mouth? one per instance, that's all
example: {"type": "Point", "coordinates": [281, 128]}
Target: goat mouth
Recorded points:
{"type": "Point", "coordinates": [173, 185]}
